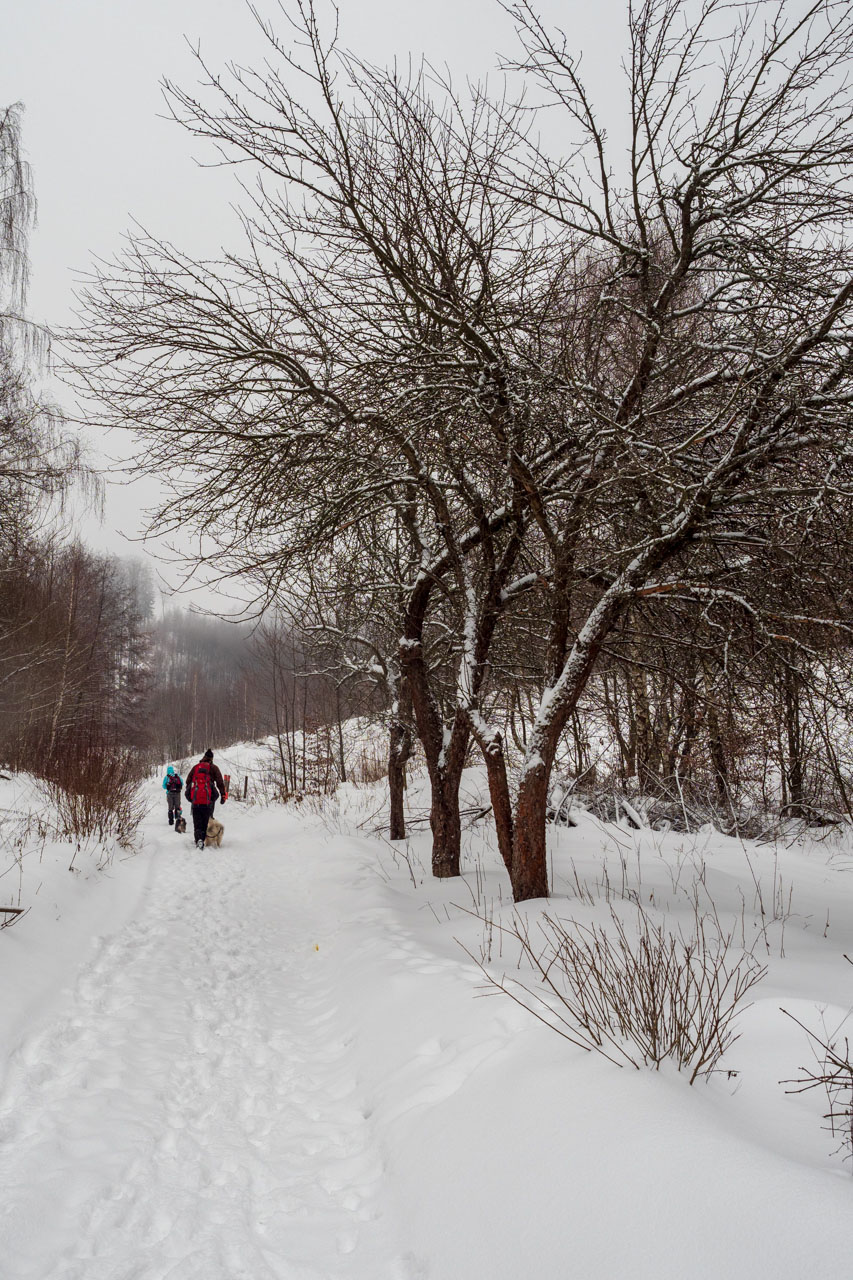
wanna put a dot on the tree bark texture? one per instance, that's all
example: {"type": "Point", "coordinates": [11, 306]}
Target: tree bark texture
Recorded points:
{"type": "Point", "coordinates": [445, 759]}
{"type": "Point", "coordinates": [793, 733]}
{"type": "Point", "coordinates": [500, 797]}
{"type": "Point", "coordinates": [399, 751]}
{"type": "Point", "coordinates": [445, 822]}
{"type": "Point", "coordinates": [529, 854]}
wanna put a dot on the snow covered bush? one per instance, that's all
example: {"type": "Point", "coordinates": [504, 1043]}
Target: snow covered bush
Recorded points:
{"type": "Point", "coordinates": [95, 795]}
{"type": "Point", "coordinates": [639, 997]}
{"type": "Point", "coordinates": [833, 1072]}
{"type": "Point", "coordinates": [21, 834]}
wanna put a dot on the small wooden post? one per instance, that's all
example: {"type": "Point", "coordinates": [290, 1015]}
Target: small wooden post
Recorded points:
{"type": "Point", "coordinates": [245, 786]}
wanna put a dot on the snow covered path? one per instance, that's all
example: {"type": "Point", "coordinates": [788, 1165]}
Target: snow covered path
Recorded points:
{"type": "Point", "coordinates": [188, 1112]}
{"type": "Point", "coordinates": [266, 1062]}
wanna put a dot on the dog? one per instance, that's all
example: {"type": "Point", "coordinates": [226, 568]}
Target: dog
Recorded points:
{"type": "Point", "coordinates": [215, 832]}
{"type": "Point", "coordinates": [180, 825]}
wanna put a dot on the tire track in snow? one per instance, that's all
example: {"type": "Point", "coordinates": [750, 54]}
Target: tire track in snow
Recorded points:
{"type": "Point", "coordinates": [190, 1115]}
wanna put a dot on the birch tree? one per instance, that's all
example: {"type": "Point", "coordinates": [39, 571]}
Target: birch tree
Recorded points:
{"type": "Point", "coordinates": [39, 459]}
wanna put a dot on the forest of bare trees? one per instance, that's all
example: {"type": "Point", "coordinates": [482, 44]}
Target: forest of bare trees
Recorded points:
{"type": "Point", "coordinates": [498, 544]}
{"type": "Point", "coordinates": [552, 444]}
{"type": "Point", "coordinates": [538, 454]}
{"type": "Point", "coordinates": [90, 675]}
{"type": "Point", "coordinates": [90, 681]}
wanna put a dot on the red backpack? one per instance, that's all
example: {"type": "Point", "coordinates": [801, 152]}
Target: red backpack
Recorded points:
{"type": "Point", "coordinates": [201, 787]}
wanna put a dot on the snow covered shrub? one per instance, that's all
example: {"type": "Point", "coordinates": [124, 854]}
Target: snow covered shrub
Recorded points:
{"type": "Point", "coordinates": [637, 998]}
{"type": "Point", "coordinates": [298, 765]}
{"type": "Point", "coordinates": [670, 808]}
{"type": "Point", "coordinates": [834, 1074]}
{"type": "Point", "coordinates": [95, 794]}
{"type": "Point", "coordinates": [370, 764]}
{"type": "Point", "coordinates": [22, 836]}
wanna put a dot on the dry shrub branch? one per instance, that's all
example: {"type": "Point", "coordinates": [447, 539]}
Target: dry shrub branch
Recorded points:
{"type": "Point", "coordinates": [94, 791]}
{"type": "Point", "coordinates": [834, 1074]}
{"type": "Point", "coordinates": [636, 998]}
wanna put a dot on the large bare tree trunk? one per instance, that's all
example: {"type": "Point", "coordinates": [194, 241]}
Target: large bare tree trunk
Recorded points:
{"type": "Point", "coordinates": [500, 798]}
{"type": "Point", "coordinates": [794, 736]}
{"type": "Point", "coordinates": [445, 752]}
{"type": "Point", "coordinates": [529, 854]}
{"type": "Point", "coordinates": [445, 821]}
{"type": "Point", "coordinates": [399, 751]}
{"type": "Point", "coordinates": [400, 742]}
{"type": "Point", "coordinates": [492, 748]}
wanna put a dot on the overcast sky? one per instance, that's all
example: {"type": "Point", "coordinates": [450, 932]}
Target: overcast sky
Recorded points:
{"type": "Point", "coordinates": [89, 72]}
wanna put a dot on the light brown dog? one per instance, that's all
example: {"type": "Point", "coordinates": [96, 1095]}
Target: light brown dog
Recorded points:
{"type": "Point", "coordinates": [215, 832]}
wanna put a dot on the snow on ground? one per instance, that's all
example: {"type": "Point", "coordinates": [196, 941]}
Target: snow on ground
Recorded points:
{"type": "Point", "coordinates": [267, 1062]}
{"type": "Point", "coordinates": [70, 898]}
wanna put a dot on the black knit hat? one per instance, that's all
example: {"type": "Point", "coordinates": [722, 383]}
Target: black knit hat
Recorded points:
{"type": "Point", "coordinates": [208, 755]}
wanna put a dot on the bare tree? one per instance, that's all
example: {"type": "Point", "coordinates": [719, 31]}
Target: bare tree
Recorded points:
{"type": "Point", "coordinates": [711, 383]}
{"type": "Point", "coordinates": [376, 350]}
{"type": "Point", "coordinates": [17, 213]}
{"type": "Point", "coordinates": [608, 392]}
{"type": "Point", "coordinates": [354, 609]}
{"type": "Point", "coordinates": [39, 461]}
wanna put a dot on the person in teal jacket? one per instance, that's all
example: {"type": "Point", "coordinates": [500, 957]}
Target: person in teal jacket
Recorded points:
{"type": "Point", "coordinates": [172, 785]}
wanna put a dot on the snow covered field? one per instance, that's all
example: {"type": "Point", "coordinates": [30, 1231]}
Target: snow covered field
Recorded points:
{"type": "Point", "coordinates": [267, 1062]}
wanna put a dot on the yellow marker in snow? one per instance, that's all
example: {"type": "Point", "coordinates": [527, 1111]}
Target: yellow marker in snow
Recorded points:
{"type": "Point", "coordinates": [316, 946]}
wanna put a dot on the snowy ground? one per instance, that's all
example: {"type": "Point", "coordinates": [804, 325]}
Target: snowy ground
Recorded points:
{"type": "Point", "coordinates": [267, 1062]}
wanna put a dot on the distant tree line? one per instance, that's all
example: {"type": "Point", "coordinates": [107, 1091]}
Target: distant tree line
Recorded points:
{"type": "Point", "coordinates": [213, 683]}
{"type": "Point", "coordinates": [88, 674]}
{"type": "Point", "coordinates": [72, 656]}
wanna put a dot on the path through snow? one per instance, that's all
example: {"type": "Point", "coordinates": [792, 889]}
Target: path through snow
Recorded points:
{"type": "Point", "coordinates": [188, 1114]}
{"type": "Point", "coordinates": [213, 1098]}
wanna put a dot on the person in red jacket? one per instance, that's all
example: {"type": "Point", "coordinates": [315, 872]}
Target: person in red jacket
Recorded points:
{"type": "Point", "coordinates": [205, 785]}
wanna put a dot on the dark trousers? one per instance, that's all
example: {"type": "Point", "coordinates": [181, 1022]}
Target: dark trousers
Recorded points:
{"type": "Point", "coordinates": [202, 813]}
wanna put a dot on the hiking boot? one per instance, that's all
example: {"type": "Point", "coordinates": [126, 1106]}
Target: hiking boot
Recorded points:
{"type": "Point", "coordinates": [199, 844]}
{"type": "Point", "coordinates": [171, 819]}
